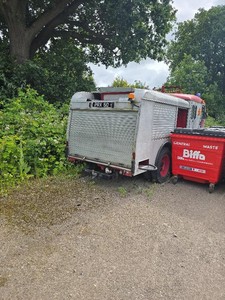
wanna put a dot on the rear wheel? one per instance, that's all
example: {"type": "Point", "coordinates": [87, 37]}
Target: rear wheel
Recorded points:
{"type": "Point", "coordinates": [163, 164]}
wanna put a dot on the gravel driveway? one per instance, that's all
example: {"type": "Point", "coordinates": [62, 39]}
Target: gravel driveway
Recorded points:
{"type": "Point", "coordinates": [112, 240]}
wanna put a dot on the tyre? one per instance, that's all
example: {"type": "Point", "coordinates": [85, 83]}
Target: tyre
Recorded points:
{"type": "Point", "coordinates": [163, 164]}
{"type": "Point", "coordinates": [211, 187]}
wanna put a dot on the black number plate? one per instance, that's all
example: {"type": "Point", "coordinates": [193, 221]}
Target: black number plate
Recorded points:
{"type": "Point", "coordinates": [103, 104]}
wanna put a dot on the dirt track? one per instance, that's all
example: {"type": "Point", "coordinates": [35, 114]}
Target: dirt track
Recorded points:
{"type": "Point", "coordinates": [125, 240]}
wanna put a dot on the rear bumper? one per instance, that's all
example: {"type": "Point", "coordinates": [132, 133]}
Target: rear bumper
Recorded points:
{"type": "Point", "coordinates": [101, 165]}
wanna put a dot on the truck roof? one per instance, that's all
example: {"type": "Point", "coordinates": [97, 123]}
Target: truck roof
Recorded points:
{"type": "Point", "coordinates": [188, 97]}
{"type": "Point", "coordinates": [179, 100]}
{"type": "Point", "coordinates": [165, 98]}
{"type": "Point", "coordinates": [114, 90]}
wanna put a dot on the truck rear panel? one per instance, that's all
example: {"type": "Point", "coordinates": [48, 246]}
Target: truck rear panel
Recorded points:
{"type": "Point", "coordinates": [103, 136]}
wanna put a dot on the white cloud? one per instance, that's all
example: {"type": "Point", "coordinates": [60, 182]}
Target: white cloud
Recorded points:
{"type": "Point", "coordinates": [219, 2]}
{"type": "Point", "coordinates": [147, 71]}
{"type": "Point", "coordinates": [187, 9]}
{"type": "Point", "coordinates": [151, 72]}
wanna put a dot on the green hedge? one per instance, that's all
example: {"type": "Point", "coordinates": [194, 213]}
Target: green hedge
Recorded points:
{"type": "Point", "coordinates": [32, 138]}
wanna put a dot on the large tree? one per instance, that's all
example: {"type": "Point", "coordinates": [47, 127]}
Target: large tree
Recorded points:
{"type": "Point", "coordinates": [192, 76]}
{"type": "Point", "coordinates": [113, 32]}
{"type": "Point", "coordinates": [203, 38]}
{"type": "Point", "coordinates": [57, 73]}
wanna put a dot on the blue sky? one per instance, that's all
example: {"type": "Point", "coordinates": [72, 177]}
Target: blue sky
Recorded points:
{"type": "Point", "coordinates": [150, 72]}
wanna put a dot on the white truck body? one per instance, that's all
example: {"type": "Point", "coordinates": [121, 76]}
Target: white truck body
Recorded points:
{"type": "Point", "coordinates": [107, 129]}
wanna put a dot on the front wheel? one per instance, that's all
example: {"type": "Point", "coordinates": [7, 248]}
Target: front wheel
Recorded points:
{"type": "Point", "coordinates": [163, 164]}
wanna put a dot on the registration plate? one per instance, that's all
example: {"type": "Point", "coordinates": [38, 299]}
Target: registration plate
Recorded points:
{"type": "Point", "coordinates": [103, 104]}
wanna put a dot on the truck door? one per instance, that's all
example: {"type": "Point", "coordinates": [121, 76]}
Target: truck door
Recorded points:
{"type": "Point", "coordinates": [182, 118]}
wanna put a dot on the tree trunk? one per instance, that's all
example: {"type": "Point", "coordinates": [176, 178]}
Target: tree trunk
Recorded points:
{"type": "Point", "coordinates": [13, 12]}
{"type": "Point", "coordinates": [19, 45]}
{"type": "Point", "coordinates": [26, 39]}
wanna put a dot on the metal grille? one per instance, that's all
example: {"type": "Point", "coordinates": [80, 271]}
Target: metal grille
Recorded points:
{"type": "Point", "coordinates": [103, 135]}
{"type": "Point", "coordinates": [164, 117]}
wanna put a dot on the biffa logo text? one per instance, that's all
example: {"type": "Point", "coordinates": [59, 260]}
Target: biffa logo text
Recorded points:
{"type": "Point", "coordinates": [194, 154]}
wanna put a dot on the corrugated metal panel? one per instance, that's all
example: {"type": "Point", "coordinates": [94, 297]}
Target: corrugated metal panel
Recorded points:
{"type": "Point", "coordinates": [103, 135]}
{"type": "Point", "coordinates": [164, 117]}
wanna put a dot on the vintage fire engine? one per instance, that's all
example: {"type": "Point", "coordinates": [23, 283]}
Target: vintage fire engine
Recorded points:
{"type": "Point", "coordinates": [127, 131]}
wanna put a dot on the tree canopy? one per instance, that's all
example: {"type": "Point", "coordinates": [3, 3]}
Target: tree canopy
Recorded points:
{"type": "Point", "coordinates": [56, 72]}
{"type": "Point", "coordinates": [197, 58]}
{"type": "Point", "coordinates": [121, 82]}
{"type": "Point", "coordinates": [192, 76]}
{"type": "Point", "coordinates": [203, 38]}
{"type": "Point", "coordinates": [113, 32]}
{"type": "Point", "coordinates": [189, 74]}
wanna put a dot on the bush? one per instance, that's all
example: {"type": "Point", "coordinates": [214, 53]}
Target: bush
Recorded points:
{"type": "Point", "coordinates": [210, 121]}
{"type": "Point", "coordinates": [32, 138]}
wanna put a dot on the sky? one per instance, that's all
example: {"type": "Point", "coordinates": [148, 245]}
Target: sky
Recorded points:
{"type": "Point", "coordinates": [150, 72]}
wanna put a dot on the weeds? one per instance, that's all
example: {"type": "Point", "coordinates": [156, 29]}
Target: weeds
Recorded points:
{"type": "Point", "coordinates": [122, 191]}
